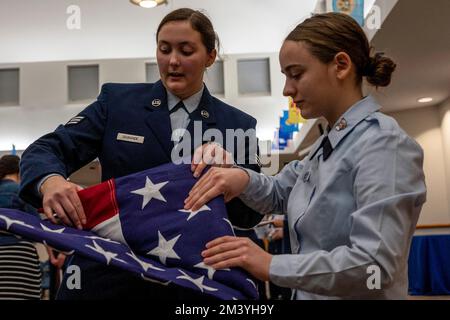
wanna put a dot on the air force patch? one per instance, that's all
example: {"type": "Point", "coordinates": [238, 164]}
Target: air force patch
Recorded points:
{"type": "Point", "coordinates": [75, 120]}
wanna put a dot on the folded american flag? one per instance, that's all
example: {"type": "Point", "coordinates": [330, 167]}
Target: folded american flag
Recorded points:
{"type": "Point", "coordinates": [138, 223]}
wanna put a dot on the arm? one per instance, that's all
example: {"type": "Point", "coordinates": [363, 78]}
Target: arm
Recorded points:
{"type": "Point", "coordinates": [57, 155]}
{"type": "Point", "coordinates": [245, 153]}
{"type": "Point", "coordinates": [389, 191]}
{"type": "Point", "coordinates": [269, 194]}
{"type": "Point", "coordinates": [264, 194]}
{"type": "Point", "coordinates": [65, 150]}
{"type": "Point", "coordinates": [239, 213]}
{"type": "Point", "coordinates": [261, 193]}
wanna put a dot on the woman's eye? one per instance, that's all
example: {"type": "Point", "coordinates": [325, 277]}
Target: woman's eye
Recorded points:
{"type": "Point", "coordinates": [164, 49]}
{"type": "Point", "coordinates": [187, 52]}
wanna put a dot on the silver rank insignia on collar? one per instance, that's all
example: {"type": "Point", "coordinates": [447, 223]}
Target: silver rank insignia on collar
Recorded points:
{"type": "Point", "coordinates": [341, 125]}
{"type": "Point", "coordinates": [156, 102]}
{"type": "Point", "coordinates": [205, 114]}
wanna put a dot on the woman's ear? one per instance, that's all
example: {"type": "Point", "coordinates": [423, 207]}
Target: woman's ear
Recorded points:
{"type": "Point", "coordinates": [211, 58]}
{"type": "Point", "coordinates": [343, 64]}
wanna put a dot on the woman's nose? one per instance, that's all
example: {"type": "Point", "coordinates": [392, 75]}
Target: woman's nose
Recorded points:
{"type": "Point", "coordinates": [174, 59]}
{"type": "Point", "coordinates": [288, 90]}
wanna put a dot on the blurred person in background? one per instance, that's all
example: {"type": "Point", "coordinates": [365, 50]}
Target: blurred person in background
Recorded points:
{"type": "Point", "coordinates": [19, 261]}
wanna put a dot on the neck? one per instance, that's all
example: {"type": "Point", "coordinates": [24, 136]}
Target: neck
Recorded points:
{"type": "Point", "coordinates": [184, 96]}
{"type": "Point", "coordinates": [14, 177]}
{"type": "Point", "coordinates": [342, 105]}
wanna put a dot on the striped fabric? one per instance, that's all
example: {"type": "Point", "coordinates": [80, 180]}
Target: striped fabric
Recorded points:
{"type": "Point", "coordinates": [20, 273]}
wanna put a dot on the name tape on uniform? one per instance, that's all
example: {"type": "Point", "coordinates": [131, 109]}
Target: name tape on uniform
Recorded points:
{"type": "Point", "coordinates": [130, 138]}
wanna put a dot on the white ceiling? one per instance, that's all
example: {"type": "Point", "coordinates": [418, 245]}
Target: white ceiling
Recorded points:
{"type": "Point", "coordinates": [35, 30]}
{"type": "Point", "coordinates": [416, 35]}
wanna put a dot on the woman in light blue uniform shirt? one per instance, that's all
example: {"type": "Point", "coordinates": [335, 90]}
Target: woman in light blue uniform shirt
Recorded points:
{"type": "Point", "coordinates": [354, 201]}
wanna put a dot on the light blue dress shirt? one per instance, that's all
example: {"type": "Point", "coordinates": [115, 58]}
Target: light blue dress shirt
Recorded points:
{"type": "Point", "coordinates": [180, 118]}
{"type": "Point", "coordinates": [350, 215]}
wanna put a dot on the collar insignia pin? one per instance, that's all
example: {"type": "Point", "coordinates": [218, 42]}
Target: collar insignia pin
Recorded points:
{"type": "Point", "coordinates": [156, 103]}
{"type": "Point", "coordinates": [205, 114]}
{"type": "Point", "coordinates": [341, 125]}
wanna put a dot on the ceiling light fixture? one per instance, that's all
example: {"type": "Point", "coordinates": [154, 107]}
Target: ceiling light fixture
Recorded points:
{"type": "Point", "coordinates": [148, 3]}
{"type": "Point", "coordinates": [425, 100]}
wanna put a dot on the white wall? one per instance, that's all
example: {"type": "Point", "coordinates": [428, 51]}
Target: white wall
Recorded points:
{"type": "Point", "coordinates": [424, 125]}
{"type": "Point", "coordinates": [44, 104]}
{"type": "Point", "coordinates": [34, 30]}
{"type": "Point", "coordinates": [444, 116]}
{"type": "Point", "coordinates": [120, 38]}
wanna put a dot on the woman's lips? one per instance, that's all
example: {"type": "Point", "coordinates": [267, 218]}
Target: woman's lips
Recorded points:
{"type": "Point", "coordinates": [299, 103]}
{"type": "Point", "coordinates": [175, 78]}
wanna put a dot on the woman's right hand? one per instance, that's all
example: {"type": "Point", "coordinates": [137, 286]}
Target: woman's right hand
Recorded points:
{"type": "Point", "coordinates": [230, 182]}
{"type": "Point", "coordinates": [212, 154]}
{"type": "Point", "coordinates": [60, 196]}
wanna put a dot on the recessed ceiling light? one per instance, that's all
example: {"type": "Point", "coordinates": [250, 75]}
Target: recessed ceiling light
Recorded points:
{"type": "Point", "coordinates": [425, 100]}
{"type": "Point", "coordinates": [148, 3]}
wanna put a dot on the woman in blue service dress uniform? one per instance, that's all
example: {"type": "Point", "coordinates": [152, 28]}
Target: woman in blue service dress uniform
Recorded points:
{"type": "Point", "coordinates": [129, 128]}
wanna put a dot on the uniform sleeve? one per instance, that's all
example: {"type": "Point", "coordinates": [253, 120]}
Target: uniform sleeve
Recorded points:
{"type": "Point", "coordinates": [241, 215]}
{"type": "Point", "coordinates": [65, 150]}
{"type": "Point", "coordinates": [389, 190]}
{"type": "Point", "coordinates": [269, 194]}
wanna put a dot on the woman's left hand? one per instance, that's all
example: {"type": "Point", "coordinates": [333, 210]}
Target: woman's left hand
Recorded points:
{"type": "Point", "coordinates": [229, 251]}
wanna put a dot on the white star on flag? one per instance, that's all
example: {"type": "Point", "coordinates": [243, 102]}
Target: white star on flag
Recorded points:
{"type": "Point", "coordinates": [150, 191]}
{"type": "Point", "coordinates": [198, 282]}
{"type": "Point", "coordinates": [107, 254]}
{"type": "Point", "coordinates": [144, 264]}
{"type": "Point", "coordinates": [210, 269]}
{"type": "Point", "coordinates": [193, 213]}
{"type": "Point", "coordinates": [52, 230]}
{"type": "Point", "coordinates": [10, 222]}
{"type": "Point", "coordinates": [164, 249]}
